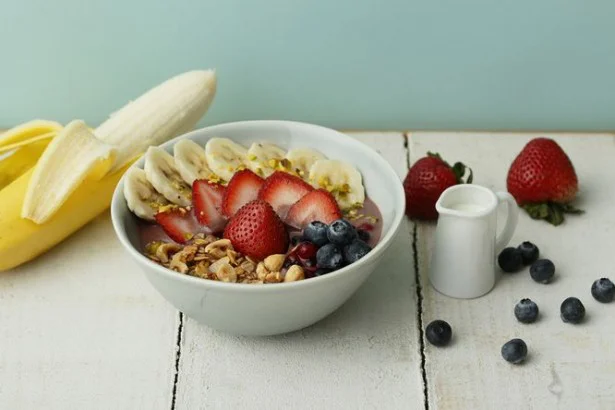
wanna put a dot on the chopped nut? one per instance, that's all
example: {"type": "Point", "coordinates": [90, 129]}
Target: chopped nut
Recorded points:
{"type": "Point", "coordinates": [232, 256]}
{"type": "Point", "coordinates": [274, 263]}
{"type": "Point", "coordinates": [226, 273]}
{"type": "Point", "coordinates": [251, 260]}
{"type": "Point", "coordinates": [216, 265]}
{"type": "Point", "coordinates": [294, 273]}
{"type": "Point", "coordinates": [201, 270]}
{"type": "Point", "coordinates": [219, 248]}
{"type": "Point", "coordinates": [248, 266]}
{"type": "Point", "coordinates": [261, 270]}
{"type": "Point", "coordinates": [189, 252]}
{"type": "Point", "coordinates": [177, 264]}
{"type": "Point", "coordinates": [273, 277]}
{"type": "Point", "coordinates": [165, 250]}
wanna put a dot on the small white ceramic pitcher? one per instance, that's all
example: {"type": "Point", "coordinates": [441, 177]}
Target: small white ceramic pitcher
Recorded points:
{"type": "Point", "coordinates": [466, 246]}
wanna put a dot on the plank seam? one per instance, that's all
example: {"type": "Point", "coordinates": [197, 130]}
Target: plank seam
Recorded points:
{"type": "Point", "coordinates": [419, 316]}
{"type": "Point", "coordinates": [419, 292]}
{"type": "Point", "coordinates": [178, 346]}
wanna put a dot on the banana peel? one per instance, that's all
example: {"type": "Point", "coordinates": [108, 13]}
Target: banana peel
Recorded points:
{"type": "Point", "coordinates": [22, 240]}
{"type": "Point", "coordinates": [27, 131]}
{"type": "Point", "coordinates": [72, 157]}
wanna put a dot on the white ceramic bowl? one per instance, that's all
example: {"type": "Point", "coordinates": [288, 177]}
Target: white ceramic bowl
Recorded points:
{"type": "Point", "coordinates": [268, 309]}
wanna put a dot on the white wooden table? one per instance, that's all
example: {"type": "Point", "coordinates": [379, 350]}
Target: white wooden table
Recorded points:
{"type": "Point", "coordinates": [81, 328]}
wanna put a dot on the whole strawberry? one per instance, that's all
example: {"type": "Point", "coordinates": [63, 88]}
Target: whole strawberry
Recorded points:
{"type": "Point", "coordinates": [256, 231]}
{"type": "Point", "coordinates": [543, 181]}
{"type": "Point", "coordinates": [425, 182]}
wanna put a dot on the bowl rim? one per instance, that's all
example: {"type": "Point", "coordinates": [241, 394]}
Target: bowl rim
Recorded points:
{"type": "Point", "coordinates": [381, 246]}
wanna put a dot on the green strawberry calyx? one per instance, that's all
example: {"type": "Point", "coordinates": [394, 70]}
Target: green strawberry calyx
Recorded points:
{"type": "Point", "coordinates": [459, 169]}
{"type": "Point", "coordinates": [552, 212]}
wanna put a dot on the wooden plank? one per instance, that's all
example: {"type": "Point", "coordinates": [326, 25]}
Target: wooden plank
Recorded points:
{"type": "Point", "coordinates": [569, 367]}
{"type": "Point", "coordinates": [82, 328]}
{"type": "Point", "coordinates": [365, 355]}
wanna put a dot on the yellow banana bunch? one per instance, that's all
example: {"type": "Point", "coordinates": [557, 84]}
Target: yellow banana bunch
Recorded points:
{"type": "Point", "coordinates": [56, 179]}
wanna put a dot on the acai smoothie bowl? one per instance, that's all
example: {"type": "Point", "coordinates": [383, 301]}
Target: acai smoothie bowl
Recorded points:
{"type": "Point", "coordinates": [258, 227]}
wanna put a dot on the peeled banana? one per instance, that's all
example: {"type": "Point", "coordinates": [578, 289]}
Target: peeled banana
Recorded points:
{"type": "Point", "coordinates": [143, 122]}
{"type": "Point", "coordinates": [162, 113]}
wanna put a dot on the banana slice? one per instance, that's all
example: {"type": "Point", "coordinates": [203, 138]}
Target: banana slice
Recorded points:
{"type": "Point", "coordinates": [141, 197]}
{"type": "Point", "coordinates": [224, 157]}
{"type": "Point", "coordinates": [302, 159]}
{"type": "Point", "coordinates": [263, 158]}
{"type": "Point", "coordinates": [161, 172]}
{"type": "Point", "coordinates": [340, 178]}
{"type": "Point", "coordinates": [191, 161]}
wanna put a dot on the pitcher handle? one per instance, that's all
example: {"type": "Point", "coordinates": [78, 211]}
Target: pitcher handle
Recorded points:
{"type": "Point", "coordinates": [511, 220]}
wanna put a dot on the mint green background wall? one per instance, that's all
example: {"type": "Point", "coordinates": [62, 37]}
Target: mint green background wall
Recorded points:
{"type": "Point", "coordinates": [533, 64]}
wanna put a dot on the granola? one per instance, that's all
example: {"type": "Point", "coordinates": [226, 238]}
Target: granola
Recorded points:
{"type": "Point", "coordinates": [209, 257]}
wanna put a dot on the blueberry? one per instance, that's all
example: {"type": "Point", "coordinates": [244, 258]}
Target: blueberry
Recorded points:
{"type": "Point", "coordinates": [526, 311]}
{"type": "Point", "coordinates": [316, 232]}
{"type": "Point", "coordinates": [341, 232]}
{"type": "Point", "coordinates": [529, 252]}
{"type": "Point", "coordinates": [603, 290]}
{"type": "Point", "coordinates": [572, 310]}
{"type": "Point", "coordinates": [321, 271]}
{"type": "Point", "coordinates": [363, 235]}
{"type": "Point", "coordinates": [514, 351]}
{"type": "Point", "coordinates": [355, 251]}
{"type": "Point", "coordinates": [329, 257]}
{"type": "Point", "coordinates": [438, 333]}
{"type": "Point", "coordinates": [542, 270]}
{"type": "Point", "coordinates": [510, 260]}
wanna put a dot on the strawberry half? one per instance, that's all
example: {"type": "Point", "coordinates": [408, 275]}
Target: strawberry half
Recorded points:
{"type": "Point", "coordinates": [257, 231]}
{"type": "Point", "coordinates": [543, 181]}
{"type": "Point", "coordinates": [318, 205]}
{"type": "Point", "coordinates": [281, 190]}
{"type": "Point", "coordinates": [241, 189]}
{"type": "Point", "coordinates": [207, 201]}
{"type": "Point", "coordinates": [179, 223]}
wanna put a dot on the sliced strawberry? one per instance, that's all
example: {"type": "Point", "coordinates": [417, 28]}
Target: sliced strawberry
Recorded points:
{"type": "Point", "coordinates": [241, 189]}
{"type": "Point", "coordinates": [281, 190]}
{"type": "Point", "coordinates": [179, 223]}
{"type": "Point", "coordinates": [257, 231]}
{"type": "Point", "coordinates": [318, 205]}
{"type": "Point", "coordinates": [207, 200]}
